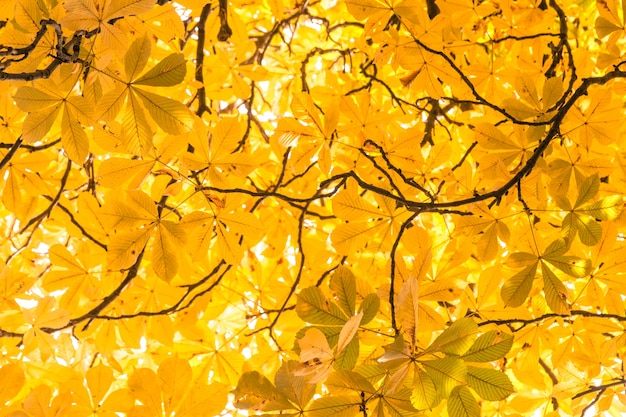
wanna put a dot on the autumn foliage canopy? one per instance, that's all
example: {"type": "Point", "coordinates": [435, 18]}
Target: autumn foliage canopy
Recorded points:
{"type": "Point", "coordinates": [312, 208]}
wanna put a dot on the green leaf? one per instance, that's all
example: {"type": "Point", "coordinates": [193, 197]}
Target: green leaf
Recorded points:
{"type": "Point", "coordinates": [588, 189]}
{"type": "Point", "coordinates": [555, 291]}
{"type": "Point", "coordinates": [516, 289]}
{"type": "Point", "coordinates": [462, 403]}
{"type": "Point", "coordinates": [255, 392]}
{"type": "Point", "coordinates": [170, 71]}
{"type": "Point", "coordinates": [490, 346]}
{"type": "Point", "coordinates": [490, 384]}
{"type": "Point", "coordinates": [446, 373]}
{"type": "Point", "coordinates": [424, 393]}
{"type": "Point", "coordinates": [343, 285]}
{"type": "Point", "coordinates": [313, 307]}
{"type": "Point", "coordinates": [369, 306]}
{"type": "Point", "coordinates": [456, 339]}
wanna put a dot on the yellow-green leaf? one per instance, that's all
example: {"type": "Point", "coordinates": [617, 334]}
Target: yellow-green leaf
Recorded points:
{"type": "Point", "coordinates": [462, 403]}
{"type": "Point", "coordinates": [490, 346]}
{"type": "Point", "coordinates": [589, 230]}
{"type": "Point", "coordinates": [457, 338]}
{"type": "Point", "coordinates": [369, 307]}
{"type": "Point", "coordinates": [295, 388]}
{"type": "Point", "coordinates": [343, 284]}
{"type": "Point", "coordinates": [516, 289]}
{"type": "Point", "coordinates": [313, 307]}
{"type": "Point", "coordinates": [588, 189]}
{"type": "Point", "coordinates": [255, 392]}
{"type": "Point", "coordinates": [424, 393]}
{"type": "Point", "coordinates": [343, 381]}
{"type": "Point", "coordinates": [555, 291]}
{"type": "Point", "coordinates": [446, 373]}
{"type": "Point", "coordinates": [341, 406]}
{"type": "Point", "coordinates": [490, 384]}
{"type": "Point", "coordinates": [606, 209]}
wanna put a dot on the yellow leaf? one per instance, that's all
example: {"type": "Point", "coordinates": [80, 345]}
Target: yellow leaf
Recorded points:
{"type": "Point", "coordinates": [74, 139]}
{"type": "Point", "coordinates": [117, 172]}
{"type": "Point", "coordinates": [45, 315]}
{"type": "Point", "coordinates": [37, 125]}
{"type": "Point", "coordinates": [347, 205]}
{"type": "Point", "coordinates": [348, 238]}
{"type": "Point", "coordinates": [99, 380]}
{"type": "Point", "coordinates": [136, 130]}
{"type": "Point", "coordinates": [137, 57]}
{"type": "Point", "coordinates": [31, 99]}
{"type": "Point", "coordinates": [171, 116]}
{"type": "Point", "coordinates": [11, 381]}
{"type": "Point", "coordinates": [11, 195]}
{"type": "Point", "coordinates": [168, 72]}
{"type": "Point", "coordinates": [144, 385]}
{"type": "Point", "coordinates": [174, 376]}
{"type": "Point", "coordinates": [408, 309]}
{"type": "Point", "coordinates": [204, 400]}
{"type": "Point", "coordinates": [228, 244]}
{"type": "Point", "coordinates": [362, 9]}
{"type": "Point", "coordinates": [167, 239]}
{"type": "Point", "coordinates": [110, 104]}
{"type": "Point", "coordinates": [316, 357]}
{"type": "Point", "coordinates": [125, 247]}
{"type": "Point", "coordinates": [348, 331]}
